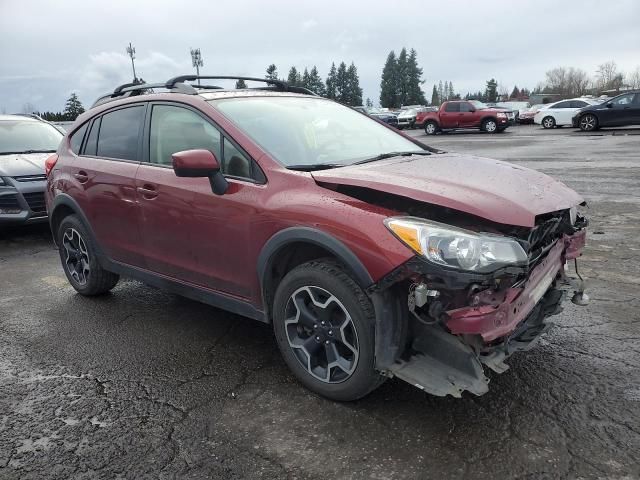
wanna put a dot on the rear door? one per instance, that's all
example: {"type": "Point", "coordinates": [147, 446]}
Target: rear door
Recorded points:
{"type": "Point", "coordinates": [563, 112]}
{"type": "Point", "coordinates": [104, 175]}
{"type": "Point", "coordinates": [449, 115]}
{"type": "Point", "coordinates": [189, 233]}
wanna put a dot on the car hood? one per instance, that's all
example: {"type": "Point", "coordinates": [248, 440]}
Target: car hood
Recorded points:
{"type": "Point", "coordinates": [18, 164]}
{"type": "Point", "coordinates": [491, 189]}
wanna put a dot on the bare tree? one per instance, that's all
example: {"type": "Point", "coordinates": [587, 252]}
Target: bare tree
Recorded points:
{"type": "Point", "coordinates": [503, 91]}
{"type": "Point", "coordinates": [633, 78]}
{"type": "Point", "coordinates": [567, 81]}
{"type": "Point", "coordinates": [28, 108]}
{"type": "Point", "coordinates": [578, 82]}
{"type": "Point", "coordinates": [608, 77]}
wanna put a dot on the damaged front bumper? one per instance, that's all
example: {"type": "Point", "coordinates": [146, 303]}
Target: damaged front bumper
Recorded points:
{"type": "Point", "coordinates": [447, 357]}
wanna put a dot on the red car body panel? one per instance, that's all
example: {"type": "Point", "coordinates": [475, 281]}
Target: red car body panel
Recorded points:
{"type": "Point", "coordinates": [480, 186]}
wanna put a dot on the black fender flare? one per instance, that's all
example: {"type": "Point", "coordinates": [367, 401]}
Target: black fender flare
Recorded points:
{"type": "Point", "coordinates": [314, 236]}
{"type": "Point", "coordinates": [62, 200]}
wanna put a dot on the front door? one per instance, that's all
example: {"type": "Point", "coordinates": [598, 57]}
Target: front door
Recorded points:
{"type": "Point", "coordinates": [189, 233]}
{"type": "Point", "coordinates": [449, 116]}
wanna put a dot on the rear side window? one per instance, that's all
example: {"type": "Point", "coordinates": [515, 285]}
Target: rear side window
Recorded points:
{"type": "Point", "coordinates": [578, 104]}
{"type": "Point", "coordinates": [562, 105]}
{"type": "Point", "coordinates": [452, 107]}
{"type": "Point", "coordinates": [119, 133]}
{"type": "Point", "coordinates": [76, 139]}
{"type": "Point", "coordinates": [92, 139]}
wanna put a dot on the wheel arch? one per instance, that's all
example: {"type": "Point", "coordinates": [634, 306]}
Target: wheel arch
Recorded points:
{"type": "Point", "coordinates": [296, 245]}
{"type": "Point", "coordinates": [64, 205]}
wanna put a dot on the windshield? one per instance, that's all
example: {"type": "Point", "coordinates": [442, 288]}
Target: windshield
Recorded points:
{"type": "Point", "coordinates": [311, 131]}
{"type": "Point", "coordinates": [478, 105]}
{"type": "Point", "coordinates": [24, 136]}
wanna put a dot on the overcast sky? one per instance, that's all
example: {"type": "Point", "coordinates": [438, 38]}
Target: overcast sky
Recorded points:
{"type": "Point", "coordinates": [52, 48]}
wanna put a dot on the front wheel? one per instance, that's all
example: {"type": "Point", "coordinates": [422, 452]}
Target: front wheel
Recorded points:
{"type": "Point", "coordinates": [588, 123]}
{"type": "Point", "coordinates": [490, 126]}
{"type": "Point", "coordinates": [80, 261]}
{"type": "Point", "coordinates": [324, 326]}
{"type": "Point", "coordinates": [548, 122]}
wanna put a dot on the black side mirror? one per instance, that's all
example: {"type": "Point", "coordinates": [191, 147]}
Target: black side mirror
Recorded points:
{"type": "Point", "coordinates": [609, 105]}
{"type": "Point", "coordinates": [200, 163]}
{"type": "Point", "coordinates": [472, 109]}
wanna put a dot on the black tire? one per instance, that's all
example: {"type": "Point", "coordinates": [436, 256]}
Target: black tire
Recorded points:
{"type": "Point", "coordinates": [97, 281]}
{"type": "Point", "coordinates": [430, 127]}
{"type": "Point", "coordinates": [588, 122]}
{"type": "Point", "coordinates": [548, 122]}
{"type": "Point", "coordinates": [331, 278]}
{"type": "Point", "coordinates": [489, 125]}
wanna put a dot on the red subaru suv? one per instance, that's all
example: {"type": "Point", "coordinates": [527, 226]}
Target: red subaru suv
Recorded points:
{"type": "Point", "coordinates": [371, 254]}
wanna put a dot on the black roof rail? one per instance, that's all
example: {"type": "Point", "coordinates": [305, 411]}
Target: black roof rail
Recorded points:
{"type": "Point", "coordinates": [178, 85]}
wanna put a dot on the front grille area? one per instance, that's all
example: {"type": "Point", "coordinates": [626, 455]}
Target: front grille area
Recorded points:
{"type": "Point", "coordinates": [36, 202]}
{"type": "Point", "coordinates": [9, 202]}
{"type": "Point", "coordinates": [30, 178]}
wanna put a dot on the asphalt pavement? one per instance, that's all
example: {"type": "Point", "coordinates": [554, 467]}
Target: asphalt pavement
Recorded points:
{"type": "Point", "coordinates": [143, 384]}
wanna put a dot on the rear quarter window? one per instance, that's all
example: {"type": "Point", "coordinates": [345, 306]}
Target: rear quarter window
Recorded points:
{"type": "Point", "coordinates": [120, 132]}
{"type": "Point", "coordinates": [76, 139]}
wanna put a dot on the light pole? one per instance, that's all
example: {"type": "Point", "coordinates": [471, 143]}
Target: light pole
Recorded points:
{"type": "Point", "coordinates": [196, 60]}
{"type": "Point", "coordinates": [131, 51]}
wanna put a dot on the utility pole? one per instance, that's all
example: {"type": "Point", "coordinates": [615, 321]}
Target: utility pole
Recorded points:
{"type": "Point", "coordinates": [131, 51]}
{"type": "Point", "coordinates": [196, 60]}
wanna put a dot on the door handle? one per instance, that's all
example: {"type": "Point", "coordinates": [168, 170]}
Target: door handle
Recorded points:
{"type": "Point", "coordinates": [82, 176]}
{"type": "Point", "coordinates": [148, 192]}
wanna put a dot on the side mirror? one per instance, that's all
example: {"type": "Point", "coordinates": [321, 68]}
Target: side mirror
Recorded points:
{"type": "Point", "coordinates": [609, 105]}
{"type": "Point", "coordinates": [200, 163]}
{"type": "Point", "coordinates": [472, 110]}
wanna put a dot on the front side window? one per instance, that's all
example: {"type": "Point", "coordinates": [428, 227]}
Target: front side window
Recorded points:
{"type": "Point", "coordinates": [119, 133]}
{"type": "Point", "coordinates": [175, 129]}
{"type": "Point", "coordinates": [623, 99]}
{"type": "Point", "coordinates": [310, 131]}
{"type": "Point", "coordinates": [28, 136]}
{"type": "Point", "coordinates": [465, 107]}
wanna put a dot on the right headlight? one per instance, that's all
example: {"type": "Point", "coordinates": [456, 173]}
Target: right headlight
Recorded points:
{"type": "Point", "coordinates": [456, 247]}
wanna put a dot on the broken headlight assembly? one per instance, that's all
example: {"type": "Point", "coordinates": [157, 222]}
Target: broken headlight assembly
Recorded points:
{"type": "Point", "coordinates": [456, 247]}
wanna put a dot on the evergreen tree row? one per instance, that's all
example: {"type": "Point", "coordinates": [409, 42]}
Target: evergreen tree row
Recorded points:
{"type": "Point", "coordinates": [72, 109]}
{"type": "Point", "coordinates": [401, 80]}
{"type": "Point", "coordinates": [342, 83]}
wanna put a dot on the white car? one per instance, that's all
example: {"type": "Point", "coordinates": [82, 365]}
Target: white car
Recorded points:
{"type": "Point", "coordinates": [560, 113]}
{"type": "Point", "coordinates": [407, 118]}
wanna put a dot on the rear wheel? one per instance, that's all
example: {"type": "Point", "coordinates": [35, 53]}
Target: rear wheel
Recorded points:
{"type": "Point", "coordinates": [548, 122]}
{"type": "Point", "coordinates": [324, 326]}
{"type": "Point", "coordinates": [430, 128]}
{"type": "Point", "coordinates": [489, 126]}
{"type": "Point", "coordinates": [588, 123]}
{"type": "Point", "coordinates": [79, 259]}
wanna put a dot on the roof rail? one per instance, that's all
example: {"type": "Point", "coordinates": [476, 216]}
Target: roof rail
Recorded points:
{"type": "Point", "coordinates": [178, 85]}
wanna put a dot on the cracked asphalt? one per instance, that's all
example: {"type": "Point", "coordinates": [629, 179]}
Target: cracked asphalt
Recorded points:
{"type": "Point", "coordinates": [142, 384]}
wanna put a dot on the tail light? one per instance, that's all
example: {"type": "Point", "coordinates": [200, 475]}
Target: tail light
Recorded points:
{"type": "Point", "coordinates": [50, 163]}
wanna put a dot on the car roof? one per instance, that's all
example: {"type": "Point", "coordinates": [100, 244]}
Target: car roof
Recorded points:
{"type": "Point", "coordinates": [25, 118]}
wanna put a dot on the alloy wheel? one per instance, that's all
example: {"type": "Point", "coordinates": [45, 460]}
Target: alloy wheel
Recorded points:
{"type": "Point", "coordinates": [321, 334]}
{"type": "Point", "coordinates": [77, 256]}
{"type": "Point", "coordinates": [548, 122]}
{"type": "Point", "coordinates": [587, 123]}
{"type": "Point", "coordinates": [430, 128]}
{"type": "Point", "coordinates": [490, 126]}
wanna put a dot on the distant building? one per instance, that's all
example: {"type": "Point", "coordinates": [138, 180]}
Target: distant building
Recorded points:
{"type": "Point", "coordinates": [538, 98]}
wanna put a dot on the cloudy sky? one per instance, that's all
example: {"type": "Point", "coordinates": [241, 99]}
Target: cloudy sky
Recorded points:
{"type": "Point", "coordinates": [52, 48]}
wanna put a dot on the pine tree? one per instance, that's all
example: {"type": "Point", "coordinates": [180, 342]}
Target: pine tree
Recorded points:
{"type": "Point", "coordinates": [316, 85]}
{"type": "Point", "coordinates": [294, 77]}
{"type": "Point", "coordinates": [331, 82]}
{"type": "Point", "coordinates": [272, 72]}
{"type": "Point", "coordinates": [342, 84]}
{"type": "Point", "coordinates": [441, 94]}
{"type": "Point", "coordinates": [435, 98]}
{"type": "Point", "coordinates": [415, 95]}
{"type": "Point", "coordinates": [368, 103]}
{"type": "Point", "coordinates": [241, 84]}
{"type": "Point", "coordinates": [402, 87]}
{"type": "Point", "coordinates": [515, 93]}
{"type": "Point", "coordinates": [305, 78]}
{"type": "Point", "coordinates": [73, 108]}
{"type": "Point", "coordinates": [388, 84]}
{"type": "Point", "coordinates": [353, 86]}
{"type": "Point", "coordinates": [451, 94]}
{"type": "Point", "coordinates": [491, 93]}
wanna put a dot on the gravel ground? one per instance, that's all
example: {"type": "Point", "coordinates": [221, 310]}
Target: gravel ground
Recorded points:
{"type": "Point", "coordinates": [142, 384]}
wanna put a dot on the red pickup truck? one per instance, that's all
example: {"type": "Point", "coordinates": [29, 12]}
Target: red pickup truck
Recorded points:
{"type": "Point", "coordinates": [462, 114]}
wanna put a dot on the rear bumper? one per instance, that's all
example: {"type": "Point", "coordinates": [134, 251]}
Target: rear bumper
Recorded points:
{"type": "Point", "coordinates": [499, 314]}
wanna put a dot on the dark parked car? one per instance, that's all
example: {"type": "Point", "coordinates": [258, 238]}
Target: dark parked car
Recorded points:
{"type": "Point", "coordinates": [387, 117]}
{"type": "Point", "coordinates": [25, 142]}
{"type": "Point", "coordinates": [370, 253]}
{"type": "Point", "coordinates": [619, 111]}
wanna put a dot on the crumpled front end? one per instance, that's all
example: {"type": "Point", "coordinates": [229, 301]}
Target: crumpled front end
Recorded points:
{"type": "Point", "coordinates": [458, 323]}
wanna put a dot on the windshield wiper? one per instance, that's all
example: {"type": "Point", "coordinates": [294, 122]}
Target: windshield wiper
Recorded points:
{"type": "Point", "coordinates": [313, 167]}
{"type": "Point", "coordinates": [382, 156]}
{"type": "Point", "coordinates": [26, 152]}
